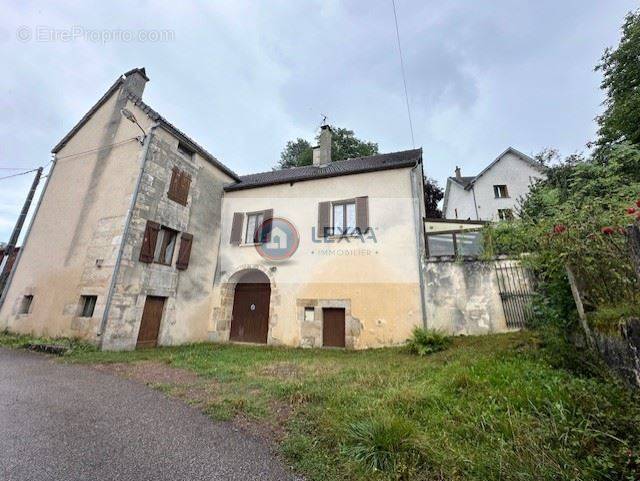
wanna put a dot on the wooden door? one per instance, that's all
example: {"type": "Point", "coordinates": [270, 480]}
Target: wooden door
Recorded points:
{"type": "Point", "coordinates": [333, 327]}
{"type": "Point", "coordinates": [250, 318]}
{"type": "Point", "coordinates": [150, 323]}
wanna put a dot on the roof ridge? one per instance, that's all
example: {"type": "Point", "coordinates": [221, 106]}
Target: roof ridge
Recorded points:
{"type": "Point", "coordinates": [332, 162]}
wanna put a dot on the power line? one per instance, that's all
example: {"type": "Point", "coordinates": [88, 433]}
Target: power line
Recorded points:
{"type": "Point", "coordinates": [404, 78]}
{"type": "Point", "coordinates": [96, 149]}
{"type": "Point", "coordinates": [19, 173]}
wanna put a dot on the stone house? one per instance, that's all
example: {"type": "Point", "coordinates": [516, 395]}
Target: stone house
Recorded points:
{"type": "Point", "coordinates": [141, 238]}
{"type": "Point", "coordinates": [494, 193]}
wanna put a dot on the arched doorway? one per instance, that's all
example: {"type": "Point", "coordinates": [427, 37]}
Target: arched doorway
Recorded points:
{"type": "Point", "coordinates": [250, 316]}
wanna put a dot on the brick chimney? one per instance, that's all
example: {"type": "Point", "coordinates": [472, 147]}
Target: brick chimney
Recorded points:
{"type": "Point", "coordinates": [322, 153]}
{"type": "Point", "coordinates": [135, 80]}
{"type": "Point", "coordinates": [458, 173]}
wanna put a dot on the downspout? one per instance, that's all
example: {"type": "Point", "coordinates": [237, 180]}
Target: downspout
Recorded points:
{"type": "Point", "coordinates": [14, 269]}
{"type": "Point", "coordinates": [418, 219]}
{"type": "Point", "coordinates": [475, 204]}
{"type": "Point", "coordinates": [125, 233]}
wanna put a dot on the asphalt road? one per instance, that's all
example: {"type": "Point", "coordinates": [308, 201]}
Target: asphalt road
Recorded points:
{"type": "Point", "coordinates": [67, 422]}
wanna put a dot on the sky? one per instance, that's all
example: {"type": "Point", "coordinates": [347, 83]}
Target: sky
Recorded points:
{"type": "Point", "coordinates": [242, 78]}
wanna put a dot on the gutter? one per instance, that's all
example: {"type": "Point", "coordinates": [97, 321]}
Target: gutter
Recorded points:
{"type": "Point", "coordinates": [418, 206]}
{"type": "Point", "coordinates": [125, 233]}
{"type": "Point", "coordinates": [14, 269]}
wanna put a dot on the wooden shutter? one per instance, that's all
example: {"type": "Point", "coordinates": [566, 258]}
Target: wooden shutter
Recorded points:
{"type": "Point", "coordinates": [236, 228]}
{"type": "Point", "coordinates": [324, 218]}
{"type": "Point", "coordinates": [149, 241]}
{"type": "Point", "coordinates": [185, 251]}
{"type": "Point", "coordinates": [265, 232]}
{"type": "Point", "coordinates": [362, 214]}
{"type": "Point", "coordinates": [179, 186]}
{"type": "Point", "coordinates": [185, 184]}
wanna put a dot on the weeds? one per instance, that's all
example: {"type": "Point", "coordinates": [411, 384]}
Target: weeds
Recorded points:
{"type": "Point", "coordinates": [427, 341]}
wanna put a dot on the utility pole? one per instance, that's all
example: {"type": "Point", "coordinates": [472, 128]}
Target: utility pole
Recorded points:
{"type": "Point", "coordinates": [11, 246]}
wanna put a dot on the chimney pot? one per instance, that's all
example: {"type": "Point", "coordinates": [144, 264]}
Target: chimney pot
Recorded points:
{"type": "Point", "coordinates": [322, 153]}
{"type": "Point", "coordinates": [458, 173]}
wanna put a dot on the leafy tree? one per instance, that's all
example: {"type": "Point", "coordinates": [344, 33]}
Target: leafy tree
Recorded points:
{"type": "Point", "coordinates": [620, 68]}
{"type": "Point", "coordinates": [344, 145]}
{"type": "Point", "coordinates": [295, 154]}
{"type": "Point", "coordinates": [433, 194]}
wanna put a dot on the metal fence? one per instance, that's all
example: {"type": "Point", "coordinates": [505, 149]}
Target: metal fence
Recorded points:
{"type": "Point", "coordinates": [516, 285]}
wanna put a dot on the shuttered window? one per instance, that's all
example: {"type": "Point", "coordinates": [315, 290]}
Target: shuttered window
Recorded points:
{"type": "Point", "coordinates": [251, 228]}
{"type": "Point", "coordinates": [185, 251]}
{"type": "Point", "coordinates": [148, 249]}
{"type": "Point", "coordinates": [179, 186]}
{"type": "Point", "coordinates": [345, 217]}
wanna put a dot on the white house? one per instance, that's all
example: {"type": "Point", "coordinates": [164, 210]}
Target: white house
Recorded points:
{"type": "Point", "coordinates": [493, 194]}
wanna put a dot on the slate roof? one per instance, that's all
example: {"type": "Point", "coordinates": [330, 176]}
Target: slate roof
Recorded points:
{"type": "Point", "coordinates": [358, 165]}
{"type": "Point", "coordinates": [153, 115]}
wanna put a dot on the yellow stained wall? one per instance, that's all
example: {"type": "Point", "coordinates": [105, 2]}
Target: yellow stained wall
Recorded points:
{"type": "Point", "coordinates": [79, 221]}
{"type": "Point", "coordinates": [379, 278]}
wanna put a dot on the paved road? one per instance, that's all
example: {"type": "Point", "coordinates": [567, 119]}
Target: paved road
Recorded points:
{"type": "Point", "coordinates": [66, 422]}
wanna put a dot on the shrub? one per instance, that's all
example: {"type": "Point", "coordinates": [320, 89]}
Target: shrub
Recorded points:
{"type": "Point", "coordinates": [427, 341]}
{"type": "Point", "coordinates": [388, 444]}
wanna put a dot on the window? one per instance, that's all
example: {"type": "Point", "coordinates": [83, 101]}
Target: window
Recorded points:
{"type": "Point", "coordinates": [185, 150]}
{"type": "Point", "coordinates": [500, 191]}
{"type": "Point", "coordinates": [25, 305]}
{"type": "Point", "coordinates": [453, 244]}
{"type": "Point", "coordinates": [179, 186]}
{"type": "Point", "coordinates": [344, 218]}
{"type": "Point", "coordinates": [165, 246]}
{"type": "Point", "coordinates": [309, 314]}
{"type": "Point", "coordinates": [254, 224]}
{"type": "Point", "coordinates": [88, 305]}
{"type": "Point", "coordinates": [505, 214]}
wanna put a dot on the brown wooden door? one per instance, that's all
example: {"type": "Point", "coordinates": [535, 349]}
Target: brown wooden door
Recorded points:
{"type": "Point", "coordinates": [333, 327]}
{"type": "Point", "coordinates": [150, 323]}
{"type": "Point", "coordinates": [250, 321]}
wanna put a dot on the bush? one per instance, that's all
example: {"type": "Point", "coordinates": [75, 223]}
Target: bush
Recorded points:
{"type": "Point", "coordinates": [427, 341]}
{"type": "Point", "coordinates": [388, 445]}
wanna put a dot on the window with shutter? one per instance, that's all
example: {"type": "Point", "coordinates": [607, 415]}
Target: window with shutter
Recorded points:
{"type": "Point", "coordinates": [265, 234]}
{"type": "Point", "coordinates": [324, 221]}
{"type": "Point", "coordinates": [185, 251]}
{"type": "Point", "coordinates": [362, 214]}
{"type": "Point", "coordinates": [148, 249]}
{"type": "Point", "coordinates": [236, 228]}
{"type": "Point", "coordinates": [179, 186]}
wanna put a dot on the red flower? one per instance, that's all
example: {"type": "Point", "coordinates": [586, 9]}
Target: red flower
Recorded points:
{"type": "Point", "coordinates": [607, 230]}
{"type": "Point", "coordinates": [559, 228]}
{"type": "Point", "coordinates": [631, 210]}
{"type": "Point", "coordinates": [638, 203]}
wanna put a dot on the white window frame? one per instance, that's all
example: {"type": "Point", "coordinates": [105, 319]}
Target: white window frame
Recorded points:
{"type": "Point", "coordinates": [259, 219]}
{"type": "Point", "coordinates": [345, 230]}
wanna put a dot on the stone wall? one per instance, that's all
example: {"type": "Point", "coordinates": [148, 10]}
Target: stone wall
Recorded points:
{"type": "Point", "coordinates": [463, 297]}
{"type": "Point", "coordinates": [622, 352]}
{"type": "Point", "coordinates": [187, 292]}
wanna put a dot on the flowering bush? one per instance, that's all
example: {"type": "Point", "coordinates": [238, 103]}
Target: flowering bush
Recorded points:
{"type": "Point", "coordinates": [577, 218]}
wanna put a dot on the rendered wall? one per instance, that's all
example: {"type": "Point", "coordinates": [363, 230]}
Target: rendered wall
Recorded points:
{"type": "Point", "coordinates": [375, 280]}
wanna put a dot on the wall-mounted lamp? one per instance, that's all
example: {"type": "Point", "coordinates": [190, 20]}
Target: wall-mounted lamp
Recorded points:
{"type": "Point", "coordinates": [127, 114]}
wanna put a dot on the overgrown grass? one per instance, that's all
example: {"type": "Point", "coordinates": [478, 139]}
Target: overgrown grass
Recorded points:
{"type": "Point", "coordinates": [508, 407]}
{"type": "Point", "coordinates": [608, 318]}
{"type": "Point", "coordinates": [427, 341]}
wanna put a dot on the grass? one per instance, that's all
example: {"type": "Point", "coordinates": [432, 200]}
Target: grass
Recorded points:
{"type": "Point", "coordinates": [511, 407]}
{"type": "Point", "coordinates": [609, 318]}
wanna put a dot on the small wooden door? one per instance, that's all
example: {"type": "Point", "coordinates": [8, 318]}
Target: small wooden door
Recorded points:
{"type": "Point", "coordinates": [250, 321]}
{"type": "Point", "coordinates": [150, 323]}
{"type": "Point", "coordinates": [333, 327]}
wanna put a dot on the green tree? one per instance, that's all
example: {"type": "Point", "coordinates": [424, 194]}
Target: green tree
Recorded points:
{"type": "Point", "coordinates": [620, 68]}
{"type": "Point", "coordinates": [295, 154]}
{"type": "Point", "coordinates": [344, 145]}
{"type": "Point", "coordinates": [433, 194]}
